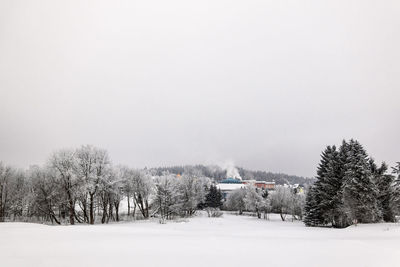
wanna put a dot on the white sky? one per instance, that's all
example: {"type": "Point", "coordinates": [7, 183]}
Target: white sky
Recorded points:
{"type": "Point", "coordinates": [267, 84]}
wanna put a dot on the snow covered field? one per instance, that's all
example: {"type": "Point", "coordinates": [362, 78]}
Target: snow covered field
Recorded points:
{"type": "Point", "coordinates": [201, 241]}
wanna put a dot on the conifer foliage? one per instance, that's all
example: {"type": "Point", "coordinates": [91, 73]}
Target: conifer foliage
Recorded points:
{"type": "Point", "coordinates": [350, 188]}
{"type": "Point", "coordinates": [214, 197]}
{"type": "Point", "coordinates": [395, 196]}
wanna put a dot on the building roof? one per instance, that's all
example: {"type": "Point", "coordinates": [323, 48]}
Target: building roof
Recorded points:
{"type": "Point", "coordinates": [231, 181]}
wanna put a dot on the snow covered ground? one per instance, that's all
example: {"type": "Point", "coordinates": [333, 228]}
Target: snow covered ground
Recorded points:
{"type": "Point", "coordinates": [201, 241]}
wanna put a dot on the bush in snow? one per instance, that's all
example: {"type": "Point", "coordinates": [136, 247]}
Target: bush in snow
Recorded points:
{"type": "Point", "coordinates": [214, 212]}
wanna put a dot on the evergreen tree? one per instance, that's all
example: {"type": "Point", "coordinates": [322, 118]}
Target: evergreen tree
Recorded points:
{"type": "Point", "coordinates": [384, 184]}
{"type": "Point", "coordinates": [312, 214]}
{"type": "Point", "coordinates": [359, 192]}
{"type": "Point", "coordinates": [213, 197]}
{"type": "Point", "coordinates": [395, 198]}
{"type": "Point", "coordinates": [396, 171]}
{"type": "Point", "coordinates": [265, 194]}
{"type": "Point", "coordinates": [324, 199]}
{"type": "Point", "coordinates": [341, 218]}
{"type": "Point", "coordinates": [329, 187]}
{"type": "Point", "coordinates": [349, 187]}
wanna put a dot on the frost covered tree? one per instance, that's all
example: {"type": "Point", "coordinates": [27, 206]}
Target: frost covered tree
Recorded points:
{"type": "Point", "coordinates": [385, 187]}
{"type": "Point", "coordinates": [254, 200]}
{"type": "Point", "coordinates": [350, 188]}
{"type": "Point", "coordinates": [45, 194]}
{"type": "Point", "coordinates": [62, 162]}
{"type": "Point", "coordinates": [396, 171]}
{"type": "Point", "coordinates": [85, 173]}
{"type": "Point", "coordinates": [328, 185]}
{"type": "Point", "coordinates": [281, 201]}
{"type": "Point", "coordinates": [110, 195]}
{"type": "Point", "coordinates": [235, 200]}
{"type": "Point", "coordinates": [359, 191]}
{"type": "Point", "coordinates": [191, 193]}
{"type": "Point", "coordinates": [286, 200]}
{"type": "Point", "coordinates": [91, 166]}
{"type": "Point", "coordinates": [79, 184]}
{"type": "Point", "coordinates": [143, 189]}
{"type": "Point", "coordinates": [324, 199]}
{"type": "Point", "coordinates": [297, 203]}
{"type": "Point", "coordinates": [6, 175]}
{"type": "Point", "coordinates": [167, 196]}
{"type": "Point", "coordinates": [179, 195]}
{"type": "Point", "coordinates": [116, 191]}
{"type": "Point", "coordinates": [127, 188]}
{"type": "Point", "coordinates": [313, 215]}
{"type": "Point", "coordinates": [395, 198]}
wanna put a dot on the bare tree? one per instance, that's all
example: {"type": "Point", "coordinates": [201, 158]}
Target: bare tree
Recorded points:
{"type": "Point", "coordinates": [143, 188]}
{"type": "Point", "coordinates": [127, 186]}
{"type": "Point", "coordinates": [191, 193]}
{"type": "Point", "coordinates": [281, 201]}
{"type": "Point", "coordinates": [91, 165]}
{"type": "Point", "coordinates": [5, 176]}
{"type": "Point", "coordinates": [63, 163]}
{"type": "Point", "coordinates": [253, 200]}
{"type": "Point", "coordinates": [235, 200]}
{"type": "Point", "coordinates": [167, 196]}
{"type": "Point", "coordinates": [45, 193]}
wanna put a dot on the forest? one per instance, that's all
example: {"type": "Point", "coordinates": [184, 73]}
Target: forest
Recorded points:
{"type": "Point", "coordinates": [219, 173]}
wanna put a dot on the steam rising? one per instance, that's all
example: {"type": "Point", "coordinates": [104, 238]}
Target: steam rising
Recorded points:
{"type": "Point", "coordinates": [231, 170]}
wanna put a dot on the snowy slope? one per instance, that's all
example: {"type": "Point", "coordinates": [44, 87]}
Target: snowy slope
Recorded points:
{"type": "Point", "coordinates": [228, 241]}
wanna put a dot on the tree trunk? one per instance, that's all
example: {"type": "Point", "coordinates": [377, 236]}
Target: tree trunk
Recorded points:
{"type": "Point", "coordinates": [142, 206]}
{"type": "Point", "coordinates": [1, 211]}
{"type": "Point", "coordinates": [282, 217]}
{"type": "Point", "coordinates": [147, 209]}
{"type": "Point", "coordinates": [91, 208]}
{"type": "Point", "coordinates": [134, 210]}
{"type": "Point", "coordinates": [71, 211]}
{"type": "Point", "coordinates": [110, 211]}
{"type": "Point", "coordinates": [116, 205]}
{"type": "Point", "coordinates": [3, 199]}
{"type": "Point", "coordinates": [104, 216]}
{"type": "Point", "coordinates": [55, 219]}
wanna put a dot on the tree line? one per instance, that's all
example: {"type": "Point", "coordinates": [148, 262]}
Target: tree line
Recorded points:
{"type": "Point", "coordinates": [352, 188]}
{"type": "Point", "coordinates": [82, 186]}
{"type": "Point", "coordinates": [218, 173]}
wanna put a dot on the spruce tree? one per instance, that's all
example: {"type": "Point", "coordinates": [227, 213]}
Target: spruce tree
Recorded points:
{"type": "Point", "coordinates": [384, 184]}
{"type": "Point", "coordinates": [350, 187]}
{"type": "Point", "coordinates": [359, 192]}
{"type": "Point", "coordinates": [329, 188]}
{"type": "Point", "coordinates": [312, 215]}
{"type": "Point", "coordinates": [395, 198]}
{"type": "Point", "coordinates": [213, 197]}
{"type": "Point", "coordinates": [341, 218]}
{"type": "Point", "coordinates": [324, 198]}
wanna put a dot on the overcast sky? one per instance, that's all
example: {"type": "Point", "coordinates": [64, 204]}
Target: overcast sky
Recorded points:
{"type": "Point", "coordinates": [266, 84]}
